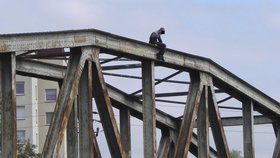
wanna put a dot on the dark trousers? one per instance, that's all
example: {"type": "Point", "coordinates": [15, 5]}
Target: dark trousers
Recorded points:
{"type": "Point", "coordinates": [162, 47]}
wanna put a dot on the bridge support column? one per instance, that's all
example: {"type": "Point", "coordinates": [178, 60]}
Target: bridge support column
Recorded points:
{"type": "Point", "coordinates": [203, 125]}
{"type": "Point", "coordinates": [149, 112]}
{"type": "Point", "coordinates": [8, 105]}
{"type": "Point", "coordinates": [125, 130]}
{"type": "Point", "coordinates": [248, 125]}
{"type": "Point", "coordinates": [85, 112]}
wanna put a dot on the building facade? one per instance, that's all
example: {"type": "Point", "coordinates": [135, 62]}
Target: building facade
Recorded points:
{"type": "Point", "coordinates": [36, 99]}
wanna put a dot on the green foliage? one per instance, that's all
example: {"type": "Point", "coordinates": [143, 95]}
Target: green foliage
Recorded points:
{"type": "Point", "coordinates": [235, 154]}
{"type": "Point", "coordinates": [27, 150]}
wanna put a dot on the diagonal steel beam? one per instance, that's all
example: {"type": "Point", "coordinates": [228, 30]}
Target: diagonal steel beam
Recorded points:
{"type": "Point", "coordinates": [164, 144]}
{"type": "Point", "coordinates": [105, 109]}
{"type": "Point", "coordinates": [8, 105]}
{"type": "Point", "coordinates": [32, 68]}
{"type": "Point", "coordinates": [185, 133]}
{"type": "Point", "coordinates": [160, 81]}
{"type": "Point", "coordinates": [64, 102]}
{"type": "Point", "coordinates": [118, 99]}
{"type": "Point", "coordinates": [217, 126]}
{"type": "Point", "coordinates": [163, 120]}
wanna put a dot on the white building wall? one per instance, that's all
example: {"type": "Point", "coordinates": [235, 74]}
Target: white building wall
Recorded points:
{"type": "Point", "coordinates": [34, 111]}
{"type": "Point", "coordinates": [34, 100]}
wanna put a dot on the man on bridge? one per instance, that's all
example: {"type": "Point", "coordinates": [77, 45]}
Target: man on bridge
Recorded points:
{"type": "Point", "coordinates": [156, 40]}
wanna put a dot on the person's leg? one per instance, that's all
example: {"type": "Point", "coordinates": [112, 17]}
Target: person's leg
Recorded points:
{"type": "Point", "coordinates": [162, 47]}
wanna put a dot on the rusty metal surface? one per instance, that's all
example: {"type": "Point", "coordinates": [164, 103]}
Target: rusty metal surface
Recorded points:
{"type": "Point", "coordinates": [64, 102]}
{"type": "Point", "coordinates": [105, 110]}
{"type": "Point", "coordinates": [217, 126]}
{"type": "Point", "coordinates": [184, 137]}
{"type": "Point", "coordinates": [85, 112]}
{"type": "Point", "coordinates": [72, 132]}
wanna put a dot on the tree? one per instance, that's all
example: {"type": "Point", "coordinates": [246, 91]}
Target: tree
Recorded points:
{"type": "Point", "coordinates": [235, 154]}
{"type": "Point", "coordinates": [27, 150]}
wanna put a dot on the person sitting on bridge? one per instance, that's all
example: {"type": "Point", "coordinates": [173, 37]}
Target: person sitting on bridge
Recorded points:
{"type": "Point", "coordinates": [156, 40]}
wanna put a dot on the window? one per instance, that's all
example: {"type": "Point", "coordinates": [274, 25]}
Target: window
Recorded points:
{"type": "Point", "coordinates": [50, 95]}
{"type": "Point", "coordinates": [20, 88]}
{"type": "Point", "coordinates": [49, 117]}
{"type": "Point", "coordinates": [20, 111]}
{"type": "Point", "coordinates": [21, 136]}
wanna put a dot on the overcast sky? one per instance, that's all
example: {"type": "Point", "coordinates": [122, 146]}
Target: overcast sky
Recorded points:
{"type": "Point", "coordinates": [240, 36]}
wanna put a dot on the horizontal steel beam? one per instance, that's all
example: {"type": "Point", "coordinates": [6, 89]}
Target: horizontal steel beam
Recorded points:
{"type": "Point", "coordinates": [131, 48]}
{"type": "Point", "coordinates": [238, 121]}
{"type": "Point", "coordinates": [41, 70]}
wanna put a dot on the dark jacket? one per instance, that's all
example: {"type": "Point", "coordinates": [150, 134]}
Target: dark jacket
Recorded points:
{"type": "Point", "coordinates": [155, 37]}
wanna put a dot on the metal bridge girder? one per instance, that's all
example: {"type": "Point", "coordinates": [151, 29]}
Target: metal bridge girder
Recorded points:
{"type": "Point", "coordinates": [8, 105]}
{"type": "Point", "coordinates": [177, 140]}
{"type": "Point", "coordinates": [64, 102]}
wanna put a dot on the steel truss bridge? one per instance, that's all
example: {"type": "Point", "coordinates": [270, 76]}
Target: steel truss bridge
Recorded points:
{"type": "Point", "coordinates": [93, 58]}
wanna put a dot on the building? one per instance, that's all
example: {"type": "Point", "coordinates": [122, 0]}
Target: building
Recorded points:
{"type": "Point", "coordinates": [36, 100]}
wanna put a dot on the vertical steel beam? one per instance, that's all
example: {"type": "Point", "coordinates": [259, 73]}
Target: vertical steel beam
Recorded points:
{"type": "Point", "coordinates": [149, 112]}
{"type": "Point", "coordinates": [276, 152]}
{"type": "Point", "coordinates": [216, 125]}
{"type": "Point", "coordinates": [105, 109]}
{"type": "Point", "coordinates": [125, 130]}
{"type": "Point", "coordinates": [64, 102]}
{"type": "Point", "coordinates": [85, 113]}
{"type": "Point", "coordinates": [8, 105]}
{"type": "Point", "coordinates": [203, 125]}
{"type": "Point", "coordinates": [186, 129]}
{"type": "Point", "coordinates": [248, 125]}
{"type": "Point", "coordinates": [72, 132]}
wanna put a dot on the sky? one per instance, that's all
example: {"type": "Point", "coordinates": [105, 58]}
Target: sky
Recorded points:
{"type": "Point", "coordinates": [241, 36]}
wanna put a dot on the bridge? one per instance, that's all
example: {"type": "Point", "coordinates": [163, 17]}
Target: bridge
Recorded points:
{"type": "Point", "coordinates": [94, 56]}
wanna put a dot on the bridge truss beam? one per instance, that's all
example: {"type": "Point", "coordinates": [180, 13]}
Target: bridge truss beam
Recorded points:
{"type": "Point", "coordinates": [84, 75]}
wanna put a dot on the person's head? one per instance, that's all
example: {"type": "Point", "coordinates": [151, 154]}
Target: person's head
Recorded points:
{"type": "Point", "coordinates": [162, 30]}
